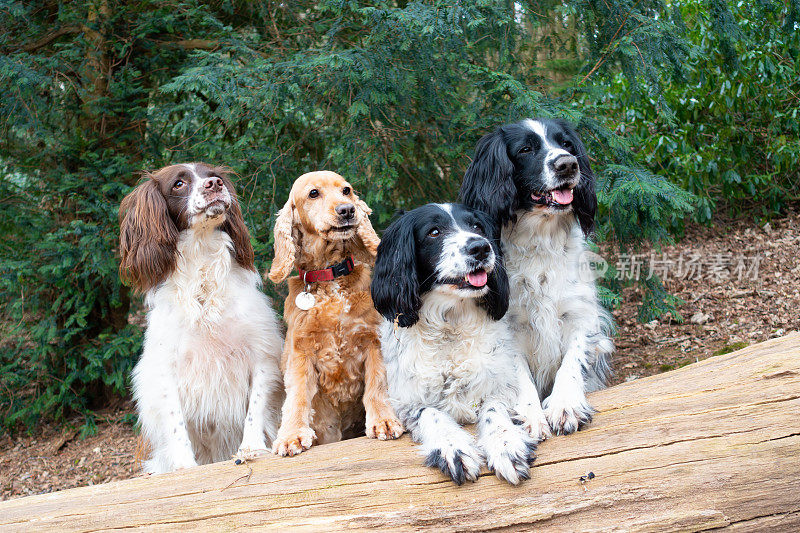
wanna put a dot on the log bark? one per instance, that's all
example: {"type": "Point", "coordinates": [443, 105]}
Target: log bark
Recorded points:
{"type": "Point", "coordinates": [713, 445]}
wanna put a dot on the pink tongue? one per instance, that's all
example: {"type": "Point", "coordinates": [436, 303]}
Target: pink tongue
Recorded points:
{"type": "Point", "coordinates": [562, 196]}
{"type": "Point", "coordinates": [477, 279]}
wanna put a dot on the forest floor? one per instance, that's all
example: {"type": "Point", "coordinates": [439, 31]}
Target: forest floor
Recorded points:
{"type": "Point", "coordinates": [739, 282]}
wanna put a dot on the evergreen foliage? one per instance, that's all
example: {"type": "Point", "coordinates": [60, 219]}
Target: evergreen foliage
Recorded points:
{"type": "Point", "coordinates": [393, 95]}
{"type": "Point", "coordinates": [732, 134]}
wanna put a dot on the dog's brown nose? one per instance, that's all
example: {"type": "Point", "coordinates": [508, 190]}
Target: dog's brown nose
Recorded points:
{"type": "Point", "coordinates": [565, 164]}
{"type": "Point", "coordinates": [346, 211]}
{"type": "Point", "coordinates": [213, 184]}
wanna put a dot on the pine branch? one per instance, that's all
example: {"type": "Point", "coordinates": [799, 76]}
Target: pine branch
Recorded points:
{"type": "Point", "coordinates": [193, 44]}
{"type": "Point", "coordinates": [47, 39]}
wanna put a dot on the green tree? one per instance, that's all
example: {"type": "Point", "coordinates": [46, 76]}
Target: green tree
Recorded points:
{"type": "Point", "coordinates": [732, 134]}
{"type": "Point", "coordinates": [393, 95]}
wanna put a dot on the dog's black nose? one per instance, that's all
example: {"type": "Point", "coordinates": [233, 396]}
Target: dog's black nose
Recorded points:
{"type": "Point", "coordinates": [346, 211]}
{"type": "Point", "coordinates": [478, 249]}
{"type": "Point", "coordinates": [213, 184]}
{"type": "Point", "coordinates": [565, 165]}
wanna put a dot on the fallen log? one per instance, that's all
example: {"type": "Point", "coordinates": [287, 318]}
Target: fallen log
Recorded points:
{"type": "Point", "coordinates": [715, 444]}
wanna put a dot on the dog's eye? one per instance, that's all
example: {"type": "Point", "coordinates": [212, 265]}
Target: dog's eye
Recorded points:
{"type": "Point", "coordinates": [567, 144]}
{"type": "Point", "coordinates": [313, 193]}
{"type": "Point", "coordinates": [525, 150]}
{"type": "Point", "coordinates": [477, 228]}
{"type": "Point", "coordinates": [346, 191]}
{"type": "Point", "coordinates": [433, 233]}
{"type": "Point", "coordinates": [178, 184]}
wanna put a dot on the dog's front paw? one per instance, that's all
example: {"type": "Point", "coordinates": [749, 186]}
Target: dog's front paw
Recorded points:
{"type": "Point", "coordinates": [293, 442]}
{"type": "Point", "coordinates": [183, 459]}
{"type": "Point", "coordinates": [535, 423]}
{"type": "Point", "coordinates": [459, 463]}
{"type": "Point", "coordinates": [384, 428]}
{"type": "Point", "coordinates": [248, 453]}
{"type": "Point", "coordinates": [510, 453]}
{"type": "Point", "coordinates": [567, 418]}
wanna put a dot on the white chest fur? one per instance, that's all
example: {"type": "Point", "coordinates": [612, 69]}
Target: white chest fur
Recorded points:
{"type": "Point", "coordinates": [550, 291]}
{"type": "Point", "coordinates": [449, 359]}
{"type": "Point", "coordinates": [209, 311]}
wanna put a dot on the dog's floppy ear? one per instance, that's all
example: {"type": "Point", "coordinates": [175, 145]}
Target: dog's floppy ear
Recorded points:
{"type": "Point", "coordinates": [488, 183]}
{"type": "Point", "coordinates": [395, 285]}
{"type": "Point", "coordinates": [368, 240]}
{"type": "Point", "coordinates": [234, 225]}
{"type": "Point", "coordinates": [585, 202]}
{"type": "Point", "coordinates": [148, 237]}
{"type": "Point", "coordinates": [496, 300]}
{"type": "Point", "coordinates": [285, 247]}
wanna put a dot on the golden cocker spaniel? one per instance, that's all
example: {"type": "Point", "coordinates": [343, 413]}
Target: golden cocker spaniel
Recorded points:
{"type": "Point", "coordinates": [332, 362]}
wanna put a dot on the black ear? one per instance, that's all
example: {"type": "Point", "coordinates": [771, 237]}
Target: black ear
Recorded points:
{"type": "Point", "coordinates": [395, 284]}
{"type": "Point", "coordinates": [585, 202]}
{"type": "Point", "coordinates": [496, 300]}
{"type": "Point", "coordinates": [488, 183]}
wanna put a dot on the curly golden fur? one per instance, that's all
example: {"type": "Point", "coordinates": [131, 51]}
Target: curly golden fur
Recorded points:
{"type": "Point", "coordinates": [332, 363]}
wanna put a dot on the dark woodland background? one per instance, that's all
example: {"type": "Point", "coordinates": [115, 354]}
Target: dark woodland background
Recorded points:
{"type": "Point", "coordinates": [688, 108]}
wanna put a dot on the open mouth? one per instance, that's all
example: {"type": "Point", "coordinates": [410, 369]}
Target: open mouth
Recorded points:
{"type": "Point", "coordinates": [557, 198]}
{"type": "Point", "coordinates": [476, 279]}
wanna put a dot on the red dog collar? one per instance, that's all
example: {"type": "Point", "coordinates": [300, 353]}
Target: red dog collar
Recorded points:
{"type": "Point", "coordinates": [327, 274]}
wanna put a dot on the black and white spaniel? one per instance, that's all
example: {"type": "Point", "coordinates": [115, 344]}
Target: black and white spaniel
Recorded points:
{"type": "Point", "coordinates": [440, 284]}
{"type": "Point", "coordinates": [208, 381]}
{"type": "Point", "coordinates": [534, 178]}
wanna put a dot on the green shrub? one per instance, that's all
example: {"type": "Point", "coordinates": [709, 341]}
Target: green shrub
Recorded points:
{"type": "Point", "coordinates": [728, 129]}
{"type": "Point", "coordinates": [393, 95]}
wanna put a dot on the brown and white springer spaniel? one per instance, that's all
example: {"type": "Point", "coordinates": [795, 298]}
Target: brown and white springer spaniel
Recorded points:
{"type": "Point", "coordinates": [208, 381]}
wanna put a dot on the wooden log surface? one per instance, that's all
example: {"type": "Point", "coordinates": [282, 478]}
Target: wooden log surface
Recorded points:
{"type": "Point", "coordinates": [715, 444]}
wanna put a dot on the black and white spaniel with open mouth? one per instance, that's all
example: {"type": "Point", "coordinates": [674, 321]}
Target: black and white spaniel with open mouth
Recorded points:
{"type": "Point", "coordinates": [534, 178]}
{"type": "Point", "coordinates": [440, 284]}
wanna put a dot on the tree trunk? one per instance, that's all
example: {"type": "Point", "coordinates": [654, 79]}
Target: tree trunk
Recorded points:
{"type": "Point", "coordinates": [712, 445]}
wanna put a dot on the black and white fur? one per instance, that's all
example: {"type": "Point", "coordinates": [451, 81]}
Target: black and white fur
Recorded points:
{"type": "Point", "coordinates": [449, 359]}
{"type": "Point", "coordinates": [535, 180]}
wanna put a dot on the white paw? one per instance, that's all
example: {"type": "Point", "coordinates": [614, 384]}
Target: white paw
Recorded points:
{"type": "Point", "coordinates": [293, 442]}
{"type": "Point", "coordinates": [248, 453]}
{"type": "Point", "coordinates": [183, 459]}
{"type": "Point", "coordinates": [535, 423]}
{"type": "Point", "coordinates": [460, 462]}
{"type": "Point", "coordinates": [510, 451]}
{"type": "Point", "coordinates": [565, 416]}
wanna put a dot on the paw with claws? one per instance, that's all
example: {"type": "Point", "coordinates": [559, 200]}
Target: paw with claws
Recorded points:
{"type": "Point", "coordinates": [459, 463]}
{"type": "Point", "coordinates": [291, 443]}
{"type": "Point", "coordinates": [535, 423]}
{"type": "Point", "coordinates": [384, 428]}
{"type": "Point", "coordinates": [566, 417]}
{"type": "Point", "coordinates": [510, 453]}
{"type": "Point", "coordinates": [248, 454]}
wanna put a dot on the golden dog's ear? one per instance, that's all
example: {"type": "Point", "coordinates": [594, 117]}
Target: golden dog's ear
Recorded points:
{"type": "Point", "coordinates": [285, 246]}
{"type": "Point", "coordinates": [368, 248]}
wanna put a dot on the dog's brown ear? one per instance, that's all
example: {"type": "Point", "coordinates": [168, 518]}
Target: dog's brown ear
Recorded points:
{"type": "Point", "coordinates": [235, 227]}
{"type": "Point", "coordinates": [369, 241]}
{"type": "Point", "coordinates": [285, 247]}
{"type": "Point", "coordinates": [148, 238]}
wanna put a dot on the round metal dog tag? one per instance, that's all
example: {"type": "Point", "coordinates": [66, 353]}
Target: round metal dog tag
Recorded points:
{"type": "Point", "coordinates": [304, 301]}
